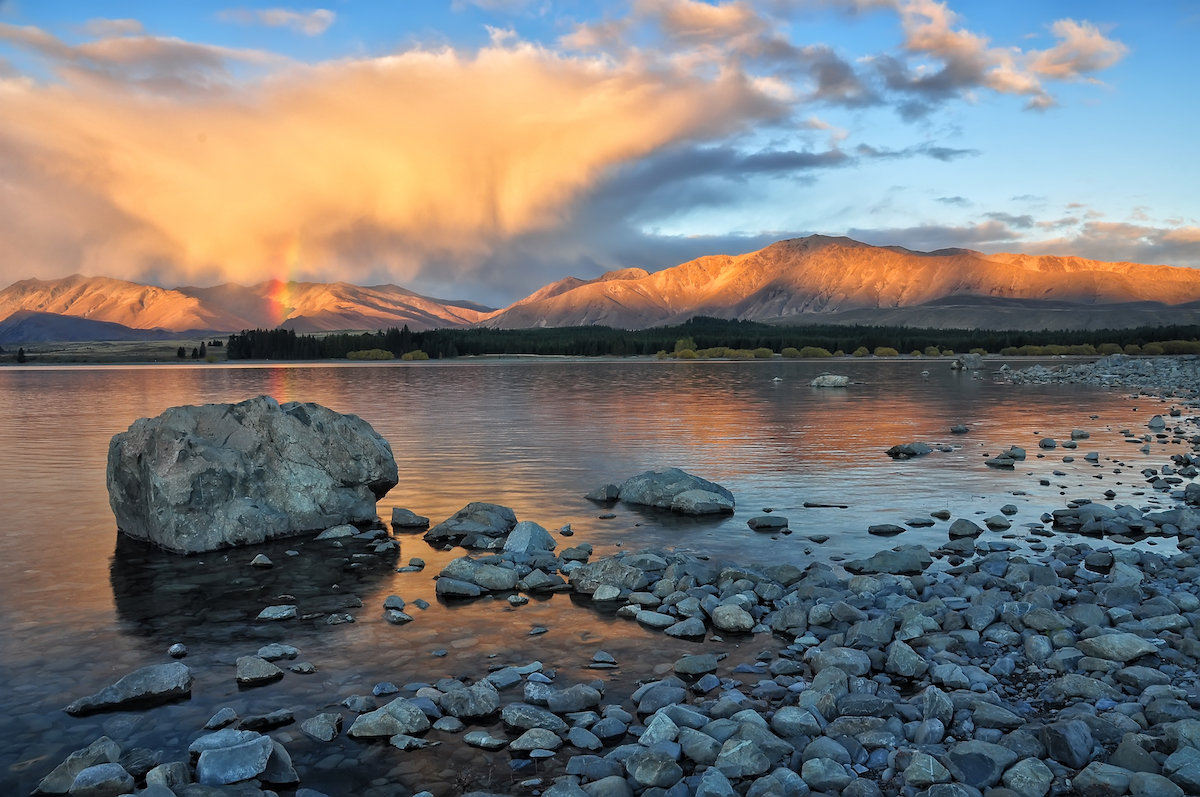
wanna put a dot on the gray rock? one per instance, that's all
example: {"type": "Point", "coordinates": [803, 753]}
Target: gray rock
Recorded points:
{"type": "Point", "coordinates": [714, 784]}
{"type": "Point", "coordinates": [407, 519]}
{"type": "Point", "coordinates": [852, 662]}
{"type": "Point", "coordinates": [279, 612]}
{"type": "Point", "coordinates": [742, 758]}
{"type": "Point", "coordinates": [1147, 784]}
{"type": "Point", "coordinates": [256, 670]}
{"type": "Point", "coordinates": [908, 450]}
{"type": "Point", "coordinates": [830, 380]}
{"type": "Point", "coordinates": [609, 573]}
{"type": "Point", "coordinates": [495, 579]}
{"type": "Point", "coordinates": [924, 770]}
{"type": "Point", "coordinates": [323, 727]}
{"type": "Point", "coordinates": [1029, 778]}
{"type": "Point", "coordinates": [526, 717]}
{"type": "Point", "coordinates": [696, 665]}
{"type": "Point", "coordinates": [529, 537]}
{"type": "Point", "coordinates": [475, 520]}
{"type": "Point", "coordinates": [102, 780]}
{"type": "Point", "coordinates": [822, 774]}
{"type": "Point", "coordinates": [224, 765]}
{"type": "Point", "coordinates": [654, 619]}
{"type": "Point", "coordinates": [449, 725]}
{"type": "Point", "coordinates": [964, 528]}
{"type": "Point", "coordinates": [604, 494]}
{"type": "Point", "coordinates": [612, 786]}
{"type": "Point", "coordinates": [535, 739]}
{"type": "Point", "coordinates": [660, 488]}
{"type": "Point", "coordinates": [169, 776]}
{"type": "Point", "coordinates": [979, 764]}
{"type": "Point", "coordinates": [456, 588]}
{"type": "Point", "coordinates": [148, 686]}
{"type": "Point", "coordinates": [767, 522]}
{"type": "Point", "coordinates": [579, 697]}
{"type": "Point", "coordinates": [339, 532]}
{"type": "Point", "coordinates": [701, 502]}
{"type": "Point", "coordinates": [220, 475]}
{"type": "Point", "coordinates": [1120, 647]}
{"type": "Point", "coordinates": [902, 660]}
{"type": "Point", "coordinates": [1101, 780]}
{"type": "Point", "coordinates": [225, 716]}
{"type": "Point", "coordinates": [1069, 743]}
{"type": "Point", "coordinates": [654, 769]}
{"type": "Point", "coordinates": [177, 651]}
{"type": "Point", "coordinates": [478, 700]}
{"type": "Point", "coordinates": [885, 530]}
{"type": "Point", "coordinates": [967, 362]}
{"type": "Point", "coordinates": [279, 768]}
{"type": "Point", "coordinates": [732, 618]}
{"type": "Point", "coordinates": [1183, 769]}
{"type": "Point", "coordinates": [484, 741]}
{"type": "Point", "coordinates": [584, 739]}
{"type": "Point", "coordinates": [102, 751]}
{"type": "Point", "coordinates": [400, 716]}
{"type": "Point", "coordinates": [691, 627]}
{"type": "Point", "coordinates": [908, 560]}
{"type": "Point", "coordinates": [276, 651]}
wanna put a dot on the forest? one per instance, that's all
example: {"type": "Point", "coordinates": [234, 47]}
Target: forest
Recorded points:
{"type": "Point", "coordinates": [704, 333]}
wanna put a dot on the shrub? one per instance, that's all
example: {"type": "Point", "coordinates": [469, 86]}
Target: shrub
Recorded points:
{"type": "Point", "coordinates": [716, 351]}
{"type": "Point", "coordinates": [414, 355]}
{"type": "Point", "coordinates": [1108, 348]}
{"type": "Point", "coordinates": [1009, 351]}
{"type": "Point", "coordinates": [373, 354]}
{"type": "Point", "coordinates": [861, 351]}
{"type": "Point", "coordinates": [211, 358]}
{"type": "Point", "coordinates": [839, 353]}
{"type": "Point", "coordinates": [739, 354]}
{"type": "Point", "coordinates": [686, 354]}
{"type": "Point", "coordinates": [814, 351]}
{"type": "Point", "coordinates": [1133, 348]}
{"type": "Point", "coordinates": [1181, 346]}
{"type": "Point", "coordinates": [662, 354]}
{"type": "Point", "coordinates": [980, 352]}
{"type": "Point", "coordinates": [915, 353]}
{"type": "Point", "coordinates": [685, 344]}
{"type": "Point", "coordinates": [886, 351]}
{"type": "Point", "coordinates": [1153, 348]}
{"type": "Point", "coordinates": [1082, 349]}
{"type": "Point", "coordinates": [948, 352]}
{"type": "Point", "coordinates": [792, 352]}
{"type": "Point", "coordinates": [932, 351]}
{"type": "Point", "coordinates": [763, 353]}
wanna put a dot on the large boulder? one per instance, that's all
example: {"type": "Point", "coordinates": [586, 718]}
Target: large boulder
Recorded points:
{"type": "Point", "coordinates": [672, 488]}
{"type": "Point", "coordinates": [203, 478]}
{"type": "Point", "coordinates": [967, 362]}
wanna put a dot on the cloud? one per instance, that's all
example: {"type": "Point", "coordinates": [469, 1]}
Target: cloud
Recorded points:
{"type": "Point", "coordinates": [338, 169]}
{"type": "Point", "coordinates": [961, 202]}
{"type": "Point", "coordinates": [1137, 243]}
{"type": "Point", "coordinates": [113, 27]}
{"type": "Point", "coordinates": [960, 61]}
{"type": "Point", "coordinates": [1022, 222]}
{"type": "Point", "coordinates": [310, 23]}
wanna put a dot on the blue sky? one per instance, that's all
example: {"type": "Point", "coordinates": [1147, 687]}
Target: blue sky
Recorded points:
{"type": "Point", "coordinates": [481, 149]}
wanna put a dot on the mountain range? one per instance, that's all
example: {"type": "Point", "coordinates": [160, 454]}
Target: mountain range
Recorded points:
{"type": "Point", "coordinates": [817, 279]}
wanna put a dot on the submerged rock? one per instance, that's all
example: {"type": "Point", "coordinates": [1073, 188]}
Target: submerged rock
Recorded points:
{"type": "Point", "coordinates": [830, 380]}
{"type": "Point", "coordinates": [203, 478]}
{"type": "Point", "coordinates": [407, 519]}
{"type": "Point", "coordinates": [102, 751]}
{"type": "Point", "coordinates": [908, 450]}
{"type": "Point", "coordinates": [149, 686]}
{"type": "Point", "coordinates": [474, 524]}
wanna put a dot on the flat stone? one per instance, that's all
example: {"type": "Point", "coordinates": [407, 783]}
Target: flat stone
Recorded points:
{"type": "Point", "coordinates": [323, 727]}
{"type": "Point", "coordinates": [1029, 778]}
{"type": "Point", "coordinates": [102, 751]}
{"type": "Point", "coordinates": [256, 670]}
{"type": "Point", "coordinates": [1122, 647]}
{"type": "Point", "coordinates": [696, 665]}
{"type": "Point", "coordinates": [223, 765]}
{"type": "Point", "coordinates": [979, 764]}
{"type": "Point", "coordinates": [1069, 743]}
{"type": "Point", "coordinates": [142, 688]}
{"type": "Point", "coordinates": [400, 716]}
{"type": "Point", "coordinates": [484, 741]}
{"type": "Point", "coordinates": [275, 613]}
{"type": "Point", "coordinates": [102, 780]}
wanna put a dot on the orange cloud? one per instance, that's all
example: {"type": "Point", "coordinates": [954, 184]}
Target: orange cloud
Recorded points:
{"type": "Point", "coordinates": [341, 168]}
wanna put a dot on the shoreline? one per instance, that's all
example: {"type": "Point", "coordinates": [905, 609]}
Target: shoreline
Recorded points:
{"type": "Point", "coordinates": [1068, 669]}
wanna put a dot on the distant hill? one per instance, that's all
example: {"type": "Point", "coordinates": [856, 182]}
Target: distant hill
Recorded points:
{"type": "Point", "coordinates": [819, 279]}
{"type": "Point", "coordinates": [29, 326]}
{"type": "Point", "coordinates": [303, 306]}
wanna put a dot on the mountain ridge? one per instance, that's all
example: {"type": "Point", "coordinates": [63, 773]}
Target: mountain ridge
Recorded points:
{"type": "Point", "coordinates": [811, 280]}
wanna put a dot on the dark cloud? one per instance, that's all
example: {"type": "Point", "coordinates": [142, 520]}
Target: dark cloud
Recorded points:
{"type": "Point", "coordinates": [1023, 222]}
{"type": "Point", "coordinates": [961, 202]}
{"type": "Point", "coordinates": [929, 150]}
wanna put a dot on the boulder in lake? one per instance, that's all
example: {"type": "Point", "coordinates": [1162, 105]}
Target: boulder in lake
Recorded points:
{"type": "Point", "coordinates": [149, 686]}
{"type": "Point", "coordinates": [967, 362]}
{"type": "Point", "coordinates": [476, 525]}
{"type": "Point", "coordinates": [204, 478]}
{"type": "Point", "coordinates": [408, 519]}
{"type": "Point", "coordinates": [830, 380]}
{"type": "Point", "coordinates": [908, 450]}
{"type": "Point", "coordinates": [672, 488]}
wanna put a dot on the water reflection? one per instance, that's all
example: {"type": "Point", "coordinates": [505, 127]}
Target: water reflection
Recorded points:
{"type": "Point", "coordinates": [164, 596]}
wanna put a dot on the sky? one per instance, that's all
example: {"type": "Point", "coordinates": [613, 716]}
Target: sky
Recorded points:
{"type": "Point", "coordinates": [480, 149]}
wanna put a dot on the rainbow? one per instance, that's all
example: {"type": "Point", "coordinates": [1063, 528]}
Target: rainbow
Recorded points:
{"type": "Point", "coordinates": [279, 290]}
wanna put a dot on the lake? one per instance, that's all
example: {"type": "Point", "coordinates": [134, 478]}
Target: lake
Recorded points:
{"type": "Point", "coordinates": [78, 609]}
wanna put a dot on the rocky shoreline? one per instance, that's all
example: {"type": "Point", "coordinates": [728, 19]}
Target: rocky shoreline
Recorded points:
{"type": "Point", "coordinates": [1163, 376]}
{"type": "Point", "coordinates": [972, 669]}
{"type": "Point", "coordinates": [1057, 658]}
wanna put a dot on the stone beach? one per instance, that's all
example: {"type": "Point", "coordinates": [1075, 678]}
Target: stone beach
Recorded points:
{"type": "Point", "coordinates": [1058, 656]}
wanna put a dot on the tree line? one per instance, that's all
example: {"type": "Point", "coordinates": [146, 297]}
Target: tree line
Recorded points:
{"type": "Point", "coordinates": [705, 333]}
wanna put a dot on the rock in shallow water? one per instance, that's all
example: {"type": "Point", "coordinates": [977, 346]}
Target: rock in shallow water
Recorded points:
{"type": "Point", "coordinates": [672, 488]}
{"type": "Point", "coordinates": [203, 478]}
{"type": "Point", "coordinates": [149, 686]}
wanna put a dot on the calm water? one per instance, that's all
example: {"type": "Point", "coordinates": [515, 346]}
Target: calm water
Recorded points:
{"type": "Point", "coordinates": [531, 435]}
